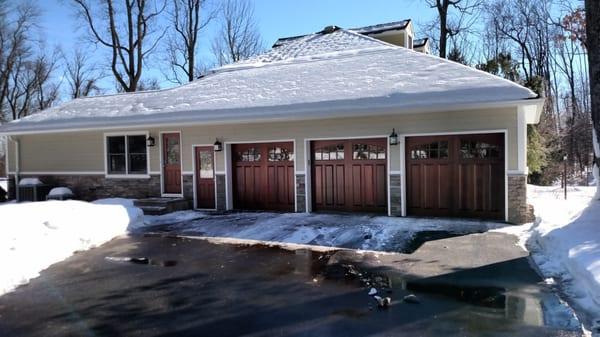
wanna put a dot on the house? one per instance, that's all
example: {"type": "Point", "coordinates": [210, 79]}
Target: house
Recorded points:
{"type": "Point", "coordinates": [348, 120]}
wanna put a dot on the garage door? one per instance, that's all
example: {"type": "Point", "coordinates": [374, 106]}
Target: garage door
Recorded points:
{"type": "Point", "coordinates": [458, 175]}
{"type": "Point", "coordinates": [349, 175]}
{"type": "Point", "coordinates": [263, 176]}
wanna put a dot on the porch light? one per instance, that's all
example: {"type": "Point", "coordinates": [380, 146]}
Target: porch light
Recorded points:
{"type": "Point", "coordinates": [394, 138]}
{"type": "Point", "coordinates": [150, 142]}
{"type": "Point", "coordinates": [218, 146]}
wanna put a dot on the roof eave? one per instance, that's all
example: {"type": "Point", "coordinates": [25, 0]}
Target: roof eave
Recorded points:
{"type": "Point", "coordinates": [273, 114]}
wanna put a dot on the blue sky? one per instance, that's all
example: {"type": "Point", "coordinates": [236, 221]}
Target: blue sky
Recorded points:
{"type": "Point", "coordinates": [275, 18]}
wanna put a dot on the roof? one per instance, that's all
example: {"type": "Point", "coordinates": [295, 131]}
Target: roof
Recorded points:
{"type": "Point", "coordinates": [420, 42]}
{"type": "Point", "coordinates": [317, 76]}
{"type": "Point", "coordinates": [382, 27]}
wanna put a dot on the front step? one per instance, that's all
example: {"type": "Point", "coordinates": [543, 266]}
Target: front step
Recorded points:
{"type": "Point", "coordinates": [160, 206]}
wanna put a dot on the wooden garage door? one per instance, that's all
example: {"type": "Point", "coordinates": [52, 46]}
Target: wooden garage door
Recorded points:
{"type": "Point", "coordinates": [349, 175]}
{"type": "Point", "coordinates": [458, 175]}
{"type": "Point", "coordinates": [263, 176]}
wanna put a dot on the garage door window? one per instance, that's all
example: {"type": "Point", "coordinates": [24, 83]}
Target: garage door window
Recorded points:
{"type": "Point", "coordinates": [367, 152]}
{"type": "Point", "coordinates": [280, 154]}
{"type": "Point", "coordinates": [249, 155]}
{"type": "Point", "coordinates": [435, 150]}
{"type": "Point", "coordinates": [331, 152]}
{"type": "Point", "coordinates": [479, 150]}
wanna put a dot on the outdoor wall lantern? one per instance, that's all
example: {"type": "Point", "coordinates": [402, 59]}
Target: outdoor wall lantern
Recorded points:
{"type": "Point", "coordinates": [150, 142]}
{"type": "Point", "coordinates": [218, 146]}
{"type": "Point", "coordinates": [394, 138]}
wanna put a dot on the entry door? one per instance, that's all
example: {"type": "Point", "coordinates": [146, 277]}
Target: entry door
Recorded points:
{"type": "Point", "coordinates": [171, 163]}
{"type": "Point", "coordinates": [350, 175]}
{"type": "Point", "coordinates": [205, 177]}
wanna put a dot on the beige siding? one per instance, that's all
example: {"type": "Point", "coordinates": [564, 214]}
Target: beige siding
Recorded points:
{"type": "Point", "coordinates": [76, 152]}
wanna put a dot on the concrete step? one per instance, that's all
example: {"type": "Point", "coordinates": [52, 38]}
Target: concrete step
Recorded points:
{"type": "Point", "coordinates": [158, 206]}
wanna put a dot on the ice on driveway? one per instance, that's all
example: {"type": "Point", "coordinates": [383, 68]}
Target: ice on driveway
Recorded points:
{"type": "Point", "coordinates": [348, 231]}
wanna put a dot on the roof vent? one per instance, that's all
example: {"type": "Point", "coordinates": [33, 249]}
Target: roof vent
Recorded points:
{"type": "Point", "coordinates": [329, 29]}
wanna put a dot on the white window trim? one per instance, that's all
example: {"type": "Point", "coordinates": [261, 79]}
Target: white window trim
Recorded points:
{"type": "Point", "coordinates": [121, 175]}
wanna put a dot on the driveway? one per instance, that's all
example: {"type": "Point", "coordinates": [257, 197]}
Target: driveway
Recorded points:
{"type": "Point", "coordinates": [473, 285]}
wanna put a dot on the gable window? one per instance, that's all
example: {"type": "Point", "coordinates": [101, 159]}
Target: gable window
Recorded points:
{"type": "Point", "coordinates": [126, 155]}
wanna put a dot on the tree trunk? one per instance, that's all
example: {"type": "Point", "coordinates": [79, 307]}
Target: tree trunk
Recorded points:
{"type": "Point", "coordinates": [592, 13]}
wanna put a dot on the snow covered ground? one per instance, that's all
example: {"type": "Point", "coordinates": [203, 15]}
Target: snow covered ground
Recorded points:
{"type": "Point", "coordinates": [565, 243]}
{"type": "Point", "coordinates": [333, 230]}
{"type": "Point", "coordinates": [37, 235]}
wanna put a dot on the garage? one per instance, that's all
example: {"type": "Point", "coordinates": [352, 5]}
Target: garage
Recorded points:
{"type": "Point", "coordinates": [263, 176]}
{"type": "Point", "coordinates": [349, 175]}
{"type": "Point", "coordinates": [456, 176]}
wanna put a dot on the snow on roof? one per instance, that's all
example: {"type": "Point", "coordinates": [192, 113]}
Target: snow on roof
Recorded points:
{"type": "Point", "coordinates": [317, 76]}
{"type": "Point", "coordinates": [382, 27]}
{"type": "Point", "coordinates": [420, 42]}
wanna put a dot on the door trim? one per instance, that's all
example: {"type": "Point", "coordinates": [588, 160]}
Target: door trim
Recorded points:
{"type": "Point", "coordinates": [194, 146]}
{"type": "Point", "coordinates": [162, 173]}
{"type": "Point", "coordinates": [229, 166]}
{"type": "Point", "coordinates": [308, 167]}
{"type": "Point", "coordinates": [402, 143]}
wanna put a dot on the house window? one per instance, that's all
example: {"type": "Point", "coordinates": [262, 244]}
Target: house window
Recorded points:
{"type": "Point", "coordinates": [435, 150]}
{"type": "Point", "coordinates": [280, 154]}
{"type": "Point", "coordinates": [126, 154]}
{"type": "Point", "coordinates": [331, 152]}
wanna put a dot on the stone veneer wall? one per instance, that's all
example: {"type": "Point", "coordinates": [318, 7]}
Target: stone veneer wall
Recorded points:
{"type": "Point", "coordinates": [188, 186]}
{"type": "Point", "coordinates": [92, 187]}
{"type": "Point", "coordinates": [519, 212]}
{"type": "Point", "coordinates": [221, 192]}
{"type": "Point", "coordinates": [396, 194]}
{"type": "Point", "coordinates": [300, 193]}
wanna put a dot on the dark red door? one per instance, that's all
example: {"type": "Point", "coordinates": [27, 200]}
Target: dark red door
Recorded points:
{"type": "Point", "coordinates": [457, 175]}
{"type": "Point", "coordinates": [205, 177]}
{"type": "Point", "coordinates": [349, 175]}
{"type": "Point", "coordinates": [171, 163]}
{"type": "Point", "coordinates": [263, 176]}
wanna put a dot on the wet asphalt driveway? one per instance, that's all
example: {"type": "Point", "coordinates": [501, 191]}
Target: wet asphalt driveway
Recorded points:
{"type": "Point", "coordinates": [190, 287]}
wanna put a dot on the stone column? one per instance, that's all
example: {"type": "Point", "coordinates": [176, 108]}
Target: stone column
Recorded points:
{"type": "Point", "coordinates": [395, 194]}
{"type": "Point", "coordinates": [221, 192]}
{"type": "Point", "coordinates": [519, 212]}
{"type": "Point", "coordinates": [300, 193]}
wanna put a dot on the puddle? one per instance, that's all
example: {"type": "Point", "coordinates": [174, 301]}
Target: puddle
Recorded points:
{"type": "Point", "coordinates": [142, 261]}
{"type": "Point", "coordinates": [419, 238]}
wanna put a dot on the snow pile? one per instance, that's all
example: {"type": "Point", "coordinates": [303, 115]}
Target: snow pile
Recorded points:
{"type": "Point", "coordinates": [36, 235]}
{"type": "Point", "coordinates": [565, 242]}
{"type": "Point", "coordinates": [60, 191]}
{"type": "Point", "coordinates": [30, 182]}
{"type": "Point", "coordinates": [333, 230]}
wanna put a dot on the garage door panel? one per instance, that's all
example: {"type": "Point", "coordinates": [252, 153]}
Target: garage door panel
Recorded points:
{"type": "Point", "coordinates": [264, 177]}
{"type": "Point", "coordinates": [456, 175]}
{"type": "Point", "coordinates": [358, 176]}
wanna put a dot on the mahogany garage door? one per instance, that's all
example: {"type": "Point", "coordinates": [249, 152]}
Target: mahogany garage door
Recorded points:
{"type": "Point", "coordinates": [349, 175]}
{"type": "Point", "coordinates": [263, 176]}
{"type": "Point", "coordinates": [457, 176]}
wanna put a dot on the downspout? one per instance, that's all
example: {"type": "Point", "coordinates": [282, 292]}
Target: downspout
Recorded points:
{"type": "Point", "coordinates": [17, 165]}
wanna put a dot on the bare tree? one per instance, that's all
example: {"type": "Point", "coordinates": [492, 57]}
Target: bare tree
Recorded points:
{"type": "Point", "coordinates": [238, 36]}
{"type": "Point", "coordinates": [15, 44]}
{"type": "Point", "coordinates": [81, 75]}
{"type": "Point", "coordinates": [187, 19]}
{"type": "Point", "coordinates": [129, 32]}
{"type": "Point", "coordinates": [450, 25]}
{"type": "Point", "coordinates": [592, 14]}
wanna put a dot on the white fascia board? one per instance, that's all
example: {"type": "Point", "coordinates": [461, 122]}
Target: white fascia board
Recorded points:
{"type": "Point", "coordinates": [298, 112]}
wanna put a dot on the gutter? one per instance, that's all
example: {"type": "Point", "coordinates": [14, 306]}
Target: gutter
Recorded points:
{"type": "Point", "coordinates": [299, 112]}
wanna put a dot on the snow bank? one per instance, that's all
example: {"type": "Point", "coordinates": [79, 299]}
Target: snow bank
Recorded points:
{"type": "Point", "coordinates": [36, 235]}
{"type": "Point", "coordinates": [565, 242]}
